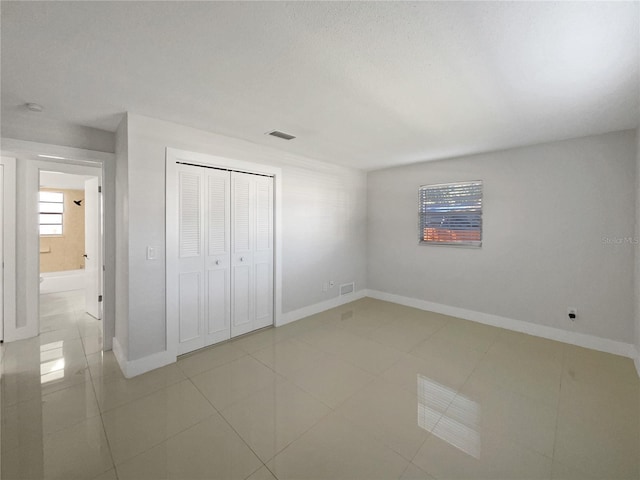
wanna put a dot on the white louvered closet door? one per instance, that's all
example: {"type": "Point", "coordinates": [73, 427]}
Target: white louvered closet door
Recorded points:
{"type": "Point", "coordinates": [218, 255]}
{"type": "Point", "coordinates": [263, 252]}
{"type": "Point", "coordinates": [242, 233]}
{"type": "Point", "coordinates": [191, 274]}
{"type": "Point", "coordinates": [252, 252]}
{"type": "Point", "coordinates": [225, 255]}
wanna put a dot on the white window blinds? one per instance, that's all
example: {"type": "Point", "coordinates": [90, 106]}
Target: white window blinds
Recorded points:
{"type": "Point", "coordinates": [451, 214]}
{"type": "Point", "coordinates": [51, 208]}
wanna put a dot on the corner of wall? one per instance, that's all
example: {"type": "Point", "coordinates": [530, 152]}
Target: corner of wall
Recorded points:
{"type": "Point", "coordinates": [121, 247]}
{"type": "Point", "coordinates": [580, 339]}
{"type": "Point", "coordinates": [132, 368]}
{"type": "Point", "coordinates": [637, 256]}
{"type": "Point", "coordinates": [334, 302]}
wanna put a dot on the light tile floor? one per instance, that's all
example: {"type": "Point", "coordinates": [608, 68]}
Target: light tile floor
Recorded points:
{"type": "Point", "coordinates": [370, 390]}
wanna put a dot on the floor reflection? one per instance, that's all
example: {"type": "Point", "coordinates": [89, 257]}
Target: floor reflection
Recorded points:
{"type": "Point", "coordinates": [52, 362]}
{"type": "Point", "coordinates": [457, 426]}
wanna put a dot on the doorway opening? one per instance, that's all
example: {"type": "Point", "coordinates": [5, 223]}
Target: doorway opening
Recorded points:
{"type": "Point", "coordinates": [70, 259]}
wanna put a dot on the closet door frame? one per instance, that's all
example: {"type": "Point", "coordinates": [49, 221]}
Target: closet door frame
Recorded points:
{"type": "Point", "coordinates": [173, 156]}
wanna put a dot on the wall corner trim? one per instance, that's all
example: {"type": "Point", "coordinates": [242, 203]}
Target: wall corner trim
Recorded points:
{"type": "Point", "coordinates": [132, 368]}
{"type": "Point", "coordinates": [580, 339]}
{"type": "Point", "coordinates": [320, 307]}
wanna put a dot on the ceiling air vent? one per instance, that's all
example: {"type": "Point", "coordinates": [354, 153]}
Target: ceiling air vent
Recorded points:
{"type": "Point", "coordinates": [284, 136]}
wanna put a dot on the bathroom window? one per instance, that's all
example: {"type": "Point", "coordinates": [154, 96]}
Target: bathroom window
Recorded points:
{"type": "Point", "coordinates": [51, 208]}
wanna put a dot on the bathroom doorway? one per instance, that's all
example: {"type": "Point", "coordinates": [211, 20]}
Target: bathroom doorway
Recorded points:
{"type": "Point", "coordinates": [70, 258]}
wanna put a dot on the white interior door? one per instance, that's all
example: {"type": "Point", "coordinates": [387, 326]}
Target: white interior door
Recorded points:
{"type": "Point", "coordinates": [263, 252]}
{"type": "Point", "coordinates": [252, 252]}
{"type": "Point", "coordinates": [242, 238]}
{"type": "Point", "coordinates": [218, 255]}
{"type": "Point", "coordinates": [92, 248]}
{"type": "Point", "coordinates": [191, 258]}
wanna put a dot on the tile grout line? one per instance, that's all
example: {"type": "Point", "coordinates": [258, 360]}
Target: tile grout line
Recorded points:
{"type": "Point", "coordinates": [231, 427]}
{"type": "Point", "coordinates": [555, 431]}
{"type": "Point", "coordinates": [160, 442]}
{"type": "Point", "coordinates": [104, 430]}
{"type": "Point", "coordinates": [376, 376]}
{"type": "Point", "coordinates": [333, 410]}
{"type": "Point", "coordinates": [340, 357]}
{"type": "Point", "coordinates": [280, 377]}
{"type": "Point", "coordinates": [77, 316]}
{"type": "Point", "coordinates": [325, 353]}
{"type": "Point", "coordinates": [148, 394]}
{"type": "Point", "coordinates": [283, 377]}
{"type": "Point", "coordinates": [450, 403]}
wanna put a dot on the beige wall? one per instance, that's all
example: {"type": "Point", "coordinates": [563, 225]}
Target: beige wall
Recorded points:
{"type": "Point", "coordinates": [59, 253]}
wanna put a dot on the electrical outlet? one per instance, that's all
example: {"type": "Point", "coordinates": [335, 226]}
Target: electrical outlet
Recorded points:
{"type": "Point", "coordinates": [572, 313]}
{"type": "Point", "coordinates": [332, 284]}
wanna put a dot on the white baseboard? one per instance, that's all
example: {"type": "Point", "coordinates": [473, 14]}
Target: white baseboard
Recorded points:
{"type": "Point", "coordinates": [160, 359]}
{"type": "Point", "coordinates": [573, 338]}
{"type": "Point", "coordinates": [121, 358]}
{"type": "Point", "coordinates": [21, 333]}
{"type": "Point", "coordinates": [132, 368]}
{"type": "Point", "coordinates": [320, 307]}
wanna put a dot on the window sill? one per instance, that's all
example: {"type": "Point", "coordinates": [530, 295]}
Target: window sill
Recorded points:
{"type": "Point", "coordinates": [452, 244]}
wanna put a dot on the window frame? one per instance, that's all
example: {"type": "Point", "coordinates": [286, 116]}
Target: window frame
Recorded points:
{"type": "Point", "coordinates": [40, 213]}
{"type": "Point", "coordinates": [478, 211]}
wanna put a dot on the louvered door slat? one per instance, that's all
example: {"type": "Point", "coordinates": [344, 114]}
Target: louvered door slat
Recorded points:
{"type": "Point", "coordinates": [191, 274]}
{"type": "Point", "coordinates": [189, 214]}
{"type": "Point", "coordinates": [218, 212]}
{"type": "Point", "coordinates": [241, 211]}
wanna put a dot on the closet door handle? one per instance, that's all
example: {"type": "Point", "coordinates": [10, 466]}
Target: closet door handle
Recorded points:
{"type": "Point", "coordinates": [242, 259]}
{"type": "Point", "coordinates": [217, 262]}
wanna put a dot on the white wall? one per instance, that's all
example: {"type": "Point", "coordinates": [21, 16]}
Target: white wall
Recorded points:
{"type": "Point", "coordinates": [122, 235]}
{"type": "Point", "coordinates": [324, 223]}
{"type": "Point", "coordinates": [28, 238]}
{"type": "Point", "coordinates": [28, 165]}
{"type": "Point", "coordinates": [637, 255]}
{"type": "Point", "coordinates": [67, 181]}
{"type": "Point", "coordinates": [37, 127]}
{"type": "Point", "coordinates": [9, 277]}
{"type": "Point", "coordinates": [547, 209]}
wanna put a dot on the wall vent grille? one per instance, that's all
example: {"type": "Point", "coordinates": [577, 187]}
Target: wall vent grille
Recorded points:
{"type": "Point", "coordinates": [347, 288]}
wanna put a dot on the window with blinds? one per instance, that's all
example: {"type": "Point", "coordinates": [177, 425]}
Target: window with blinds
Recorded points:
{"type": "Point", "coordinates": [451, 214]}
{"type": "Point", "coordinates": [51, 209]}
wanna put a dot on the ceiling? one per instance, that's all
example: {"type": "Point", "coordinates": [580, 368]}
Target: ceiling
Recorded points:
{"type": "Point", "coordinates": [63, 180]}
{"type": "Point", "coordinates": [361, 84]}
